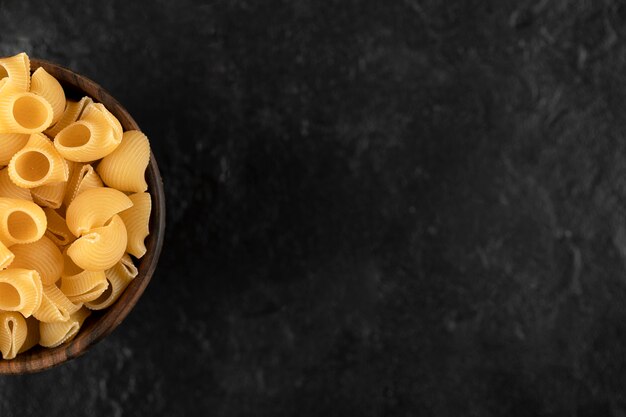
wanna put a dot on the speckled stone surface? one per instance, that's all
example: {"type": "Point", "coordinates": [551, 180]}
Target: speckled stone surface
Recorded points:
{"type": "Point", "coordinates": [376, 208]}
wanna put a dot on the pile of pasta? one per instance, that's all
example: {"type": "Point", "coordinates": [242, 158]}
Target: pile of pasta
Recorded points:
{"type": "Point", "coordinates": [73, 208]}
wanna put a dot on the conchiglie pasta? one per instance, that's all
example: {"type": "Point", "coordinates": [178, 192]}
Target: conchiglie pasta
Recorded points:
{"type": "Point", "coordinates": [37, 164]}
{"type": "Point", "coordinates": [57, 230]}
{"type": "Point", "coordinates": [55, 306]}
{"type": "Point", "coordinates": [94, 207]}
{"type": "Point", "coordinates": [50, 195]}
{"type": "Point", "coordinates": [83, 178]}
{"type": "Point", "coordinates": [20, 290]}
{"type": "Point", "coordinates": [119, 276]}
{"type": "Point", "coordinates": [55, 334]}
{"type": "Point", "coordinates": [113, 122]}
{"type": "Point", "coordinates": [10, 143]}
{"type": "Point", "coordinates": [21, 221]}
{"type": "Point", "coordinates": [9, 190]}
{"type": "Point", "coordinates": [16, 69]}
{"type": "Point", "coordinates": [101, 248]}
{"type": "Point", "coordinates": [22, 112]}
{"type": "Point", "coordinates": [89, 139]}
{"type": "Point", "coordinates": [46, 86]}
{"type": "Point", "coordinates": [125, 167]}
{"type": "Point", "coordinates": [136, 219]}
{"type": "Point", "coordinates": [81, 286]}
{"type": "Point", "coordinates": [42, 256]}
{"type": "Point", "coordinates": [13, 332]}
{"type": "Point", "coordinates": [73, 111]}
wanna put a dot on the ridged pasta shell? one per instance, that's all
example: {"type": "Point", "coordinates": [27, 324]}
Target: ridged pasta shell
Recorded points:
{"type": "Point", "coordinates": [55, 306]}
{"type": "Point", "coordinates": [83, 178]}
{"type": "Point", "coordinates": [13, 332]}
{"type": "Point", "coordinates": [20, 290]}
{"type": "Point", "coordinates": [46, 86]}
{"type": "Point", "coordinates": [137, 219]}
{"type": "Point", "coordinates": [81, 286]}
{"type": "Point", "coordinates": [124, 169]}
{"type": "Point", "coordinates": [101, 248]}
{"type": "Point", "coordinates": [55, 334]}
{"type": "Point", "coordinates": [119, 277]}
{"type": "Point", "coordinates": [22, 112]}
{"type": "Point", "coordinates": [21, 221]}
{"type": "Point", "coordinates": [73, 111]}
{"type": "Point", "coordinates": [94, 207]}
{"type": "Point", "coordinates": [38, 163]}
{"type": "Point", "coordinates": [42, 256]}
{"type": "Point", "coordinates": [17, 71]}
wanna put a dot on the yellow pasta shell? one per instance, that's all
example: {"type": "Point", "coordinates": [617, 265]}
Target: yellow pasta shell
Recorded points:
{"type": "Point", "coordinates": [38, 163]}
{"type": "Point", "coordinates": [50, 195]}
{"type": "Point", "coordinates": [101, 248]}
{"type": "Point", "coordinates": [94, 207]}
{"type": "Point", "coordinates": [57, 231]}
{"type": "Point", "coordinates": [83, 178]}
{"type": "Point", "coordinates": [20, 290]}
{"type": "Point", "coordinates": [55, 306]}
{"type": "Point", "coordinates": [119, 276]}
{"type": "Point", "coordinates": [55, 334]}
{"type": "Point", "coordinates": [32, 335]}
{"type": "Point", "coordinates": [73, 111]}
{"type": "Point", "coordinates": [13, 332]}
{"type": "Point", "coordinates": [10, 143]}
{"type": "Point", "coordinates": [17, 71]}
{"type": "Point", "coordinates": [21, 221]}
{"type": "Point", "coordinates": [136, 219]}
{"type": "Point", "coordinates": [124, 169]}
{"type": "Point", "coordinates": [90, 138]}
{"type": "Point", "coordinates": [9, 190]}
{"type": "Point", "coordinates": [22, 112]}
{"type": "Point", "coordinates": [42, 256]}
{"type": "Point", "coordinates": [81, 286]}
{"type": "Point", "coordinates": [46, 86]}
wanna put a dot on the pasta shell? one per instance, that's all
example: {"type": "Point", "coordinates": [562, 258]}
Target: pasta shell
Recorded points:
{"type": "Point", "coordinates": [10, 143]}
{"type": "Point", "coordinates": [22, 112]}
{"type": "Point", "coordinates": [73, 111]}
{"type": "Point", "coordinates": [42, 256]}
{"type": "Point", "coordinates": [55, 306]}
{"type": "Point", "coordinates": [21, 221]}
{"type": "Point", "coordinates": [83, 178]}
{"type": "Point", "coordinates": [37, 164]}
{"type": "Point", "coordinates": [81, 286]}
{"type": "Point", "coordinates": [101, 248]}
{"type": "Point", "coordinates": [17, 71]}
{"type": "Point", "coordinates": [13, 332]}
{"type": "Point", "coordinates": [50, 195]}
{"type": "Point", "coordinates": [89, 139]}
{"type": "Point", "coordinates": [124, 169]}
{"type": "Point", "coordinates": [9, 190]}
{"type": "Point", "coordinates": [20, 290]}
{"type": "Point", "coordinates": [119, 276]}
{"type": "Point", "coordinates": [46, 86]}
{"type": "Point", "coordinates": [136, 220]}
{"type": "Point", "coordinates": [55, 334]}
{"type": "Point", "coordinates": [58, 231]}
{"type": "Point", "coordinates": [94, 207]}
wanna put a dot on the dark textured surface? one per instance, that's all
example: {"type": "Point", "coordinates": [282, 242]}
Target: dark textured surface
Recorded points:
{"type": "Point", "coordinates": [375, 208]}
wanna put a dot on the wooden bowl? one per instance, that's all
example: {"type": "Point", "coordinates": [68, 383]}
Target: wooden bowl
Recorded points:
{"type": "Point", "coordinates": [100, 323]}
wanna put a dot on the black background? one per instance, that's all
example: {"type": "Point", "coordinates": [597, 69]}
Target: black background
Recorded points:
{"type": "Point", "coordinates": [374, 207]}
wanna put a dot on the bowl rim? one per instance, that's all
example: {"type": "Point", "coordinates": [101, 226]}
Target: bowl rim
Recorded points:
{"type": "Point", "coordinates": [96, 329]}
